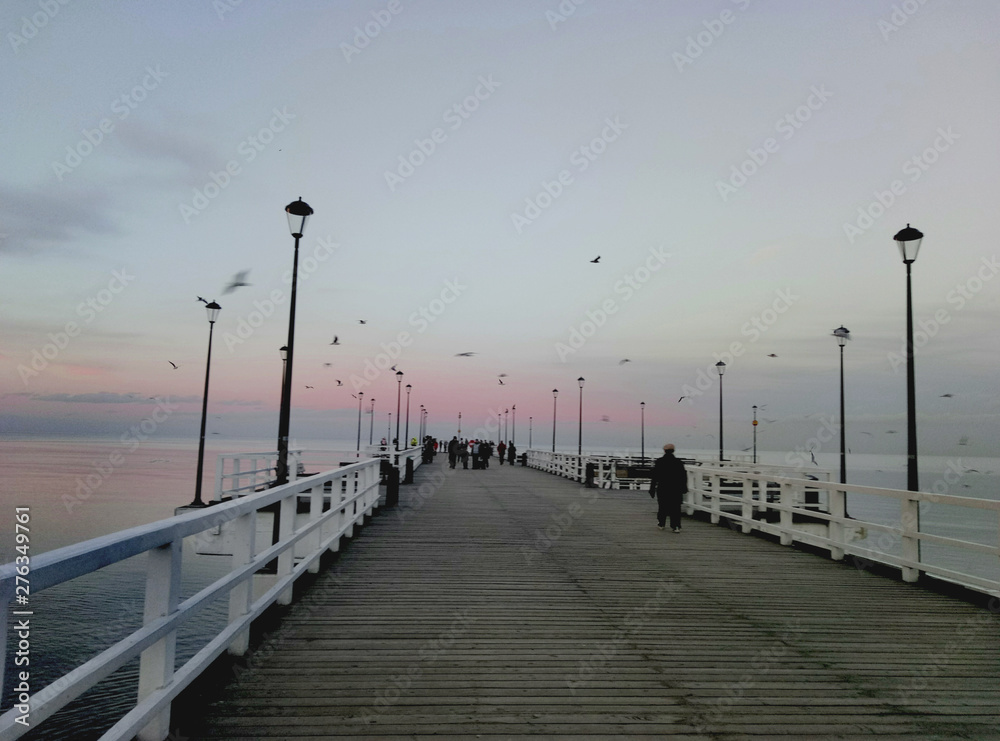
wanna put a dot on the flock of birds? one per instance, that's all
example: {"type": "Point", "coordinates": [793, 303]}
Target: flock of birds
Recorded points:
{"type": "Point", "coordinates": [239, 280]}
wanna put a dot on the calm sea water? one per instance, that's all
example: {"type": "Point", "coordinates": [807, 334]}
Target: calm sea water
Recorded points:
{"type": "Point", "coordinates": [76, 492]}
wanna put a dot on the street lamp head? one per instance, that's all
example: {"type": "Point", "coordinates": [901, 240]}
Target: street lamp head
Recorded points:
{"type": "Point", "coordinates": [409, 387]}
{"type": "Point", "coordinates": [908, 240]}
{"type": "Point", "coordinates": [555, 393]}
{"type": "Point", "coordinates": [642, 404]}
{"type": "Point", "coordinates": [213, 312]}
{"type": "Point", "coordinates": [720, 367]}
{"type": "Point", "coordinates": [283, 352]}
{"type": "Point", "coordinates": [580, 381]}
{"type": "Point", "coordinates": [399, 376]}
{"type": "Point", "coordinates": [843, 334]}
{"type": "Point", "coordinates": [298, 213]}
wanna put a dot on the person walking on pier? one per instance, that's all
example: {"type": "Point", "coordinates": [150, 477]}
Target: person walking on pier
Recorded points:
{"type": "Point", "coordinates": [475, 454]}
{"type": "Point", "coordinates": [511, 453]}
{"type": "Point", "coordinates": [501, 449]}
{"type": "Point", "coordinates": [668, 485]}
{"type": "Point", "coordinates": [453, 452]}
{"type": "Point", "coordinates": [463, 451]}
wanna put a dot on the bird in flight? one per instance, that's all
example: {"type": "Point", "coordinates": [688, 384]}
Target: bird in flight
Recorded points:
{"type": "Point", "coordinates": [623, 361]}
{"type": "Point", "coordinates": [393, 368]}
{"type": "Point", "coordinates": [339, 382]}
{"type": "Point", "coordinates": [596, 259]}
{"type": "Point", "coordinates": [501, 381]}
{"type": "Point", "coordinates": [173, 364]}
{"type": "Point", "coordinates": [890, 432]}
{"type": "Point", "coordinates": [336, 340]}
{"type": "Point", "coordinates": [605, 418]}
{"type": "Point", "coordinates": [239, 280]}
{"type": "Point", "coordinates": [327, 365]}
{"type": "Point", "coordinates": [865, 433]}
{"type": "Point", "coordinates": [947, 396]}
{"type": "Point", "coordinates": [199, 298]}
{"type": "Point", "coordinates": [310, 387]}
{"type": "Point", "coordinates": [771, 355]}
{"type": "Point", "coordinates": [813, 456]}
{"type": "Point", "coordinates": [465, 354]}
{"type": "Point", "coordinates": [681, 399]}
{"type": "Point", "coordinates": [362, 321]}
{"type": "Point", "coordinates": [501, 375]}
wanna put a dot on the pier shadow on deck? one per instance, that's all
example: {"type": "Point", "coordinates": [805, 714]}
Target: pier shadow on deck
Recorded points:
{"type": "Point", "coordinates": [507, 603]}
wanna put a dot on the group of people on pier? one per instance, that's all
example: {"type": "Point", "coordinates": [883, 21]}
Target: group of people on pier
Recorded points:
{"type": "Point", "coordinates": [480, 451]}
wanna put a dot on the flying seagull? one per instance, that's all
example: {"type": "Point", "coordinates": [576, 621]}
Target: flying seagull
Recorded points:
{"type": "Point", "coordinates": [771, 355]}
{"type": "Point", "coordinates": [596, 259]}
{"type": "Point", "coordinates": [310, 387]}
{"type": "Point", "coordinates": [501, 375]}
{"type": "Point", "coordinates": [336, 341]}
{"type": "Point", "coordinates": [605, 418]}
{"type": "Point", "coordinates": [362, 321]}
{"type": "Point", "coordinates": [465, 354]}
{"type": "Point", "coordinates": [623, 361]}
{"type": "Point", "coordinates": [239, 280]}
{"type": "Point", "coordinates": [339, 382]}
{"type": "Point", "coordinates": [946, 396]}
{"type": "Point", "coordinates": [501, 381]}
{"type": "Point", "coordinates": [681, 399]}
{"type": "Point", "coordinates": [199, 298]}
{"type": "Point", "coordinates": [173, 364]}
{"type": "Point", "coordinates": [393, 368]}
{"type": "Point", "coordinates": [327, 365]}
{"type": "Point", "coordinates": [813, 456]}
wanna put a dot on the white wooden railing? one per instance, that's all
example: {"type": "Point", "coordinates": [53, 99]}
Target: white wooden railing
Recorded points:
{"type": "Point", "coordinates": [353, 493]}
{"type": "Point", "coordinates": [780, 501]}
{"type": "Point", "coordinates": [239, 474]}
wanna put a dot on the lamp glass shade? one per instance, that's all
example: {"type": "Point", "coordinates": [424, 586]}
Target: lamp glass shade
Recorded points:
{"type": "Point", "coordinates": [399, 376]}
{"type": "Point", "coordinates": [843, 334]}
{"type": "Point", "coordinates": [580, 381]}
{"type": "Point", "coordinates": [408, 388]}
{"type": "Point", "coordinates": [283, 352]}
{"type": "Point", "coordinates": [555, 393]}
{"type": "Point", "coordinates": [908, 240]}
{"type": "Point", "coordinates": [298, 213]}
{"type": "Point", "coordinates": [720, 367]}
{"type": "Point", "coordinates": [213, 312]}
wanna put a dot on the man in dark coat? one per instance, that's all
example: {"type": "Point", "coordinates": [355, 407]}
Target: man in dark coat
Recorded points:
{"type": "Point", "coordinates": [669, 484]}
{"type": "Point", "coordinates": [453, 447]}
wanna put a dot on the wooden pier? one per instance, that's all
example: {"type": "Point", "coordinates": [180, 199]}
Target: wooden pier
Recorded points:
{"type": "Point", "coordinates": [508, 603]}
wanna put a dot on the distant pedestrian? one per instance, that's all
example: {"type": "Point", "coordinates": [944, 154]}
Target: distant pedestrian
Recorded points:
{"type": "Point", "coordinates": [668, 485]}
{"type": "Point", "coordinates": [464, 453]}
{"type": "Point", "coordinates": [501, 449]}
{"type": "Point", "coordinates": [453, 447]}
{"type": "Point", "coordinates": [475, 454]}
{"type": "Point", "coordinates": [511, 453]}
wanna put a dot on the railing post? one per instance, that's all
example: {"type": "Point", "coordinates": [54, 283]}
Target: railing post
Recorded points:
{"type": "Point", "coordinates": [747, 505]}
{"type": "Point", "coordinates": [220, 465]}
{"type": "Point", "coordinates": [835, 530]}
{"type": "Point", "coordinates": [315, 512]}
{"type": "Point", "coordinates": [786, 497]}
{"type": "Point", "coordinates": [286, 559]}
{"type": "Point", "coordinates": [156, 663]}
{"type": "Point", "coordinates": [715, 489]}
{"type": "Point", "coordinates": [241, 595]}
{"type": "Point", "coordinates": [236, 479]}
{"type": "Point", "coordinates": [908, 517]}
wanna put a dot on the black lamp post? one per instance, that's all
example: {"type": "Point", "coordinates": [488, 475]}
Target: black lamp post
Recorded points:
{"type": "Point", "coordinates": [506, 419]}
{"type": "Point", "coordinates": [513, 423]}
{"type": "Point", "coordinates": [213, 313]}
{"type": "Point", "coordinates": [361, 399]}
{"type": "Point", "coordinates": [423, 415]}
{"type": "Point", "coordinates": [298, 213]}
{"type": "Point", "coordinates": [399, 396]}
{"type": "Point", "coordinates": [843, 335]}
{"type": "Point", "coordinates": [409, 388]}
{"type": "Point", "coordinates": [755, 433]}
{"type": "Point", "coordinates": [530, 425]}
{"type": "Point", "coordinates": [721, 368]}
{"type": "Point", "coordinates": [642, 432]}
{"type": "Point", "coordinates": [908, 240]}
{"type": "Point", "coordinates": [579, 437]}
{"type": "Point", "coordinates": [460, 424]}
{"type": "Point", "coordinates": [371, 424]}
{"type": "Point", "coordinates": [555, 394]}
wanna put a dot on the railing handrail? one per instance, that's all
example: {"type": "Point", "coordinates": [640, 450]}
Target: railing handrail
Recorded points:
{"type": "Point", "coordinates": [154, 641]}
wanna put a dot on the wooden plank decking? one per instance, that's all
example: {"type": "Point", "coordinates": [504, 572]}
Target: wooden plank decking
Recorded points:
{"type": "Point", "coordinates": [507, 603]}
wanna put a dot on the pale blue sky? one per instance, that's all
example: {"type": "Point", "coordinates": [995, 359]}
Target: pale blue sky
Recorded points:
{"type": "Point", "coordinates": [881, 92]}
